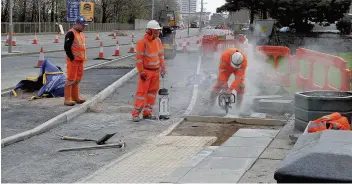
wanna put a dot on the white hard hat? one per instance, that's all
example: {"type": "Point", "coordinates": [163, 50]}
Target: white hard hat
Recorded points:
{"type": "Point", "coordinates": [236, 60]}
{"type": "Point", "coordinates": [153, 25]}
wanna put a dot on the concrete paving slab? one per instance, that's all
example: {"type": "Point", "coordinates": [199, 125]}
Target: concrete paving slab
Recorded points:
{"type": "Point", "coordinates": [247, 141]}
{"type": "Point", "coordinates": [238, 152]}
{"type": "Point", "coordinates": [175, 176]}
{"type": "Point", "coordinates": [256, 133]}
{"type": "Point", "coordinates": [196, 159]}
{"type": "Point", "coordinates": [226, 163]}
{"type": "Point", "coordinates": [197, 175]}
{"type": "Point", "coordinates": [281, 143]}
{"type": "Point", "coordinates": [274, 154]}
{"type": "Point", "coordinates": [261, 172]}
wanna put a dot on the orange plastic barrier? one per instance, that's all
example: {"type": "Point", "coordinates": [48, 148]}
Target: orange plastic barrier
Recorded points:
{"type": "Point", "coordinates": [313, 57]}
{"type": "Point", "coordinates": [276, 52]}
{"type": "Point", "coordinates": [226, 44]}
{"type": "Point", "coordinates": [208, 44]}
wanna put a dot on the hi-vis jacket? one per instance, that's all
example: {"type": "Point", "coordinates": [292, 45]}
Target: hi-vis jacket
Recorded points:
{"type": "Point", "coordinates": [150, 54]}
{"type": "Point", "coordinates": [79, 46]}
{"type": "Point", "coordinates": [225, 68]}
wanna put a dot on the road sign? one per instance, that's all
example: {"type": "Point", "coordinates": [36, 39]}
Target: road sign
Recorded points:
{"type": "Point", "coordinates": [72, 9]}
{"type": "Point", "coordinates": [87, 10]}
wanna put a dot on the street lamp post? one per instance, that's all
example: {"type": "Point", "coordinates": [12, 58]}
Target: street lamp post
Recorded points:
{"type": "Point", "coordinates": [152, 9]}
{"type": "Point", "coordinates": [189, 15]}
{"type": "Point", "coordinates": [10, 27]}
{"type": "Point", "coordinates": [39, 15]}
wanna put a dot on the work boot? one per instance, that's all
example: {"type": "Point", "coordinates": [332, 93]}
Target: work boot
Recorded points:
{"type": "Point", "coordinates": [75, 94]}
{"type": "Point", "coordinates": [150, 117]}
{"type": "Point", "coordinates": [136, 119]}
{"type": "Point", "coordinates": [68, 96]}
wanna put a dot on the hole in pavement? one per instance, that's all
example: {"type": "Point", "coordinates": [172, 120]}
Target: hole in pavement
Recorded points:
{"type": "Point", "coordinates": [223, 131]}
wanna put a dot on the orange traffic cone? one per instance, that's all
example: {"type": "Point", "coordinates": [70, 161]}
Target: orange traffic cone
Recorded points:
{"type": "Point", "coordinates": [41, 58]}
{"type": "Point", "coordinates": [132, 48]}
{"type": "Point", "coordinates": [97, 37]}
{"type": "Point", "coordinates": [14, 40]}
{"type": "Point", "coordinates": [7, 39]}
{"type": "Point", "coordinates": [117, 49]}
{"type": "Point", "coordinates": [35, 41]}
{"type": "Point", "coordinates": [57, 38]}
{"type": "Point", "coordinates": [114, 37]}
{"type": "Point", "coordinates": [101, 52]}
{"type": "Point", "coordinates": [185, 46]}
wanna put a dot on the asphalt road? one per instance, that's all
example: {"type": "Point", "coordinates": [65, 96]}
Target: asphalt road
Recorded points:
{"type": "Point", "coordinates": [38, 160]}
{"type": "Point", "coordinates": [17, 68]}
{"type": "Point", "coordinates": [24, 43]}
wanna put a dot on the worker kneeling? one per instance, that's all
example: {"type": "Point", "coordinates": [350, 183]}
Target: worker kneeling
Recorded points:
{"type": "Point", "coordinates": [232, 61]}
{"type": "Point", "coordinates": [150, 63]}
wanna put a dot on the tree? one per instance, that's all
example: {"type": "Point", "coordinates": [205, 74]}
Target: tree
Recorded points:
{"type": "Point", "coordinates": [254, 6]}
{"type": "Point", "coordinates": [286, 12]}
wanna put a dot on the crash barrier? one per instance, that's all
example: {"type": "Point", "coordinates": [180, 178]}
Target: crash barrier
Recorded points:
{"type": "Point", "coordinates": [294, 67]}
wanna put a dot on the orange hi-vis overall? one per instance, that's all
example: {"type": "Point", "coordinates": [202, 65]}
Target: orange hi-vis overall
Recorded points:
{"type": "Point", "coordinates": [333, 121]}
{"type": "Point", "coordinates": [225, 71]}
{"type": "Point", "coordinates": [75, 67]}
{"type": "Point", "coordinates": [150, 58]}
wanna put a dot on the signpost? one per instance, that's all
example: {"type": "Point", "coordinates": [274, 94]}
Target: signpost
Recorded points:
{"type": "Point", "coordinates": [73, 9]}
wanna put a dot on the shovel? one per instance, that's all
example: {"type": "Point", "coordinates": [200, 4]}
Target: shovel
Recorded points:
{"type": "Point", "coordinates": [99, 142]}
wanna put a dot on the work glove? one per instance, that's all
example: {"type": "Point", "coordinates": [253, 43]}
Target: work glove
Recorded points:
{"type": "Point", "coordinates": [143, 76]}
{"type": "Point", "coordinates": [163, 71]}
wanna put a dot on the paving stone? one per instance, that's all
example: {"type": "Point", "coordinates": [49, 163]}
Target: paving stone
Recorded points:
{"type": "Point", "coordinates": [248, 141]}
{"type": "Point", "coordinates": [196, 159]}
{"type": "Point", "coordinates": [212, 176]}
{"type": "Point", "coordinates": [177, 175]}
{"type": "Point", "coordinates": [256, 133]}
{"type": "Point", "coordinates": [261, 172]}
{"type": "Point", "coordinates": [226, 163]}
{"type": "Point", "coordinates": [275, 154]}
{"type": "Point", "coordinates": [281, 143]}
{"type": "Point", "coordinates": [238, 152]}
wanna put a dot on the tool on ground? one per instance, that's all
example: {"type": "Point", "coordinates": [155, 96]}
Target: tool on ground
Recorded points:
{"type": "Point", "coordinates": [99, 142]}
{"type": "Point", "coordinates": [164, 105]}
{"type": "Point", "coordinates": [118, 145]}
{"type": "Point", "coordinates": [225, 100]}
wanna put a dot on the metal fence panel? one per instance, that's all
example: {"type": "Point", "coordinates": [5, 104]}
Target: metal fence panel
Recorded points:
{"type": "Point", "coordinates": [52, 27]}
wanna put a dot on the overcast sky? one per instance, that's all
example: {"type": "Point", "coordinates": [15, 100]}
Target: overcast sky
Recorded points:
{"type": "Point", "coordinates": [212, 5]}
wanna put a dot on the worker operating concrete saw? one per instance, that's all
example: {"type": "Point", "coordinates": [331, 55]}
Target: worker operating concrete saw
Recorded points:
{"type": "Point", "coordinates": [232, 61]}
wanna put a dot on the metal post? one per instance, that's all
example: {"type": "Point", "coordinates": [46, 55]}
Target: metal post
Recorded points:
{"type": "Point", "coordinates": [152, 9]}
{"type": "Point", "coordinates": [200, 17]}
{"type": "Point", "coordinates": [10, 27]}
{"type": "Point", "coordinates": [39, 16]}
{"type": "Point", "coordinates": [189, 15]}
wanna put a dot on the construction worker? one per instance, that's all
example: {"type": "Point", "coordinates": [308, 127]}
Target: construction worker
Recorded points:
{"type": "Point", "coordinates": [150, 63]}
{"type": "Point", "coordinates": [75, 47]}
{"type": "Point", "coordinates": [232, 61]}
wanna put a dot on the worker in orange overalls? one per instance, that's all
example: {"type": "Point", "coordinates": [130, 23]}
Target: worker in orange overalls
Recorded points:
{"type": "Point", "coordinates": [232, 61]}
{"type": "Point", "coordinates": [75, 48]}
{"type": "Point", "coordinates": [150, 63]}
